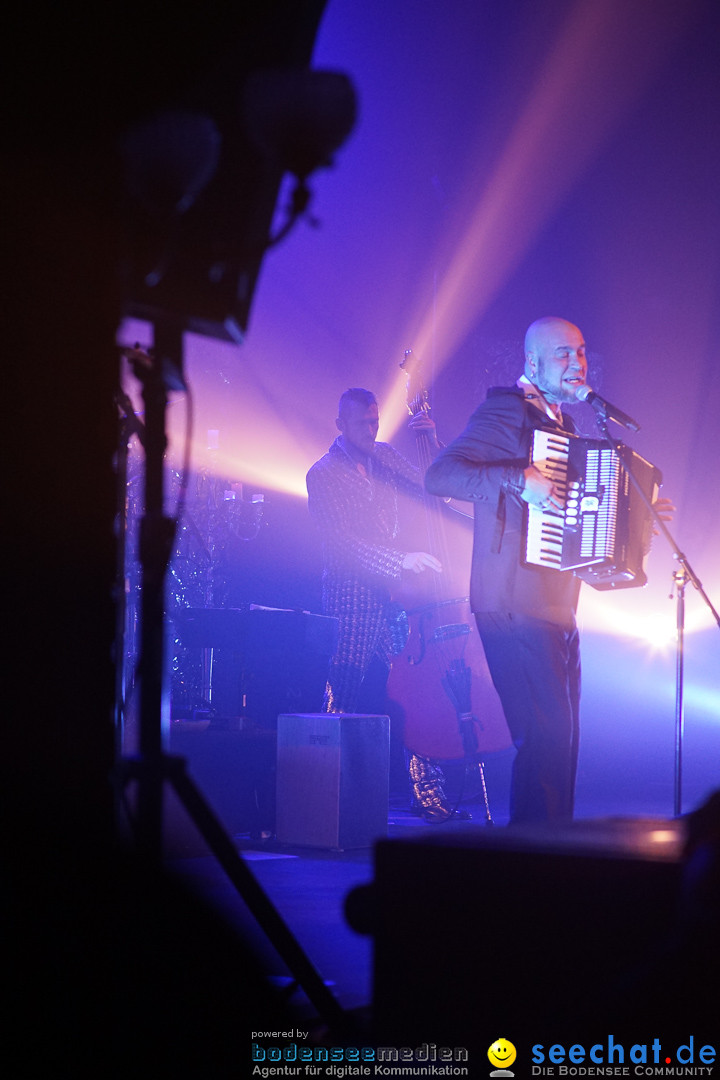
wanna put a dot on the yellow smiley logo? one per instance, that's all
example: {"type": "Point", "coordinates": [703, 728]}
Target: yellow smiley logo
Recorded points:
{"type": "Point", "coordinates": [502, 1054]}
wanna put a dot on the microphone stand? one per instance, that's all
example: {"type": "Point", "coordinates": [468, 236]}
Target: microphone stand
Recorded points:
{"type": "Point", "coordinates": [152, 768]}
{"type": "Point", "coordinates": [681, 577]}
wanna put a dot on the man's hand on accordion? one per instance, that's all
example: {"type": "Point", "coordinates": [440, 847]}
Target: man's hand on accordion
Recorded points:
{"type": "Point", "coordinates": [665, 510]}
{"type": "Point", "coordinates": [539, 490]}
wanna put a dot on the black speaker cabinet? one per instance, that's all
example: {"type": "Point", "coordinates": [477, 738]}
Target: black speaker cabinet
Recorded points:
{"type": "Point", "coordinates": [490, 933]}
{"type": "Point", "coordinates": [332, 779]}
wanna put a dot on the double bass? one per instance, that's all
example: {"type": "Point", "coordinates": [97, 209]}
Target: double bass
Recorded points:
{"type": "Point", "coordinates": [441, 679]}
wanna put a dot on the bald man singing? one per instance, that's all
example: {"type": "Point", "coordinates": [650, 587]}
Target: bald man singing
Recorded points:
{"type": "Point", "coordinates": [525, 614]}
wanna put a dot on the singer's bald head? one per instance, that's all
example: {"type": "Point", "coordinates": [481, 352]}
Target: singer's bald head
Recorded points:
{"type": "Point", "coordinates": [546, 329]}
{"type": "Point", "coordinates": [555, 358]}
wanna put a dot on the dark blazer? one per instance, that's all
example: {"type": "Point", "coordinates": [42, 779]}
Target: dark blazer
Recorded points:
{"type": "Point", "coordinates": [480, 466]}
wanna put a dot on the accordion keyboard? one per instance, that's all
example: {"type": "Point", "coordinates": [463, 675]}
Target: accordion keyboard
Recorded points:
{"type": "Point", "coordinates": [545, 528]}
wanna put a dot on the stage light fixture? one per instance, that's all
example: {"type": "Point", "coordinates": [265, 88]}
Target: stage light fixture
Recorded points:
{"type": "Point", "coordinates": [202, 177]}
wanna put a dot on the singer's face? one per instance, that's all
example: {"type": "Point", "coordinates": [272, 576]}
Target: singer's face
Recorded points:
{"type": "Point", "coordinates": [559, 360]}
{"type": "Point", "coordinates": [359, 425]}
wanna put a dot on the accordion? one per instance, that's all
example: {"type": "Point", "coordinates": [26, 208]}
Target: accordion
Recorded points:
{"type": "Point", "coordinates": [603, 531]}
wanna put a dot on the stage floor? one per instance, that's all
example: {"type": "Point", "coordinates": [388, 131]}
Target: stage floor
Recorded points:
{"type": "Point", "coordinates": [308, 887]}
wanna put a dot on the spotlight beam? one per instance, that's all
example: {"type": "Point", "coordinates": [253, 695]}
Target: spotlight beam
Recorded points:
{"type": "Point", "coordinates": [603, 60]}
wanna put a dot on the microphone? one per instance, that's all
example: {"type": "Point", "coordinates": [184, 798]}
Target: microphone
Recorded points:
{"type": "Point", "coordinates": [606, 410]}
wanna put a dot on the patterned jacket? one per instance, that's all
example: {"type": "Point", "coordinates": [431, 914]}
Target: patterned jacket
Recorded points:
{"type": "Point", "coordinates": [357, 517]}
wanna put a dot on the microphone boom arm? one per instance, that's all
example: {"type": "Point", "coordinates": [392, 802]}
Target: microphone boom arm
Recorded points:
{"type": "Point", "coordinates": [605, 410]}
